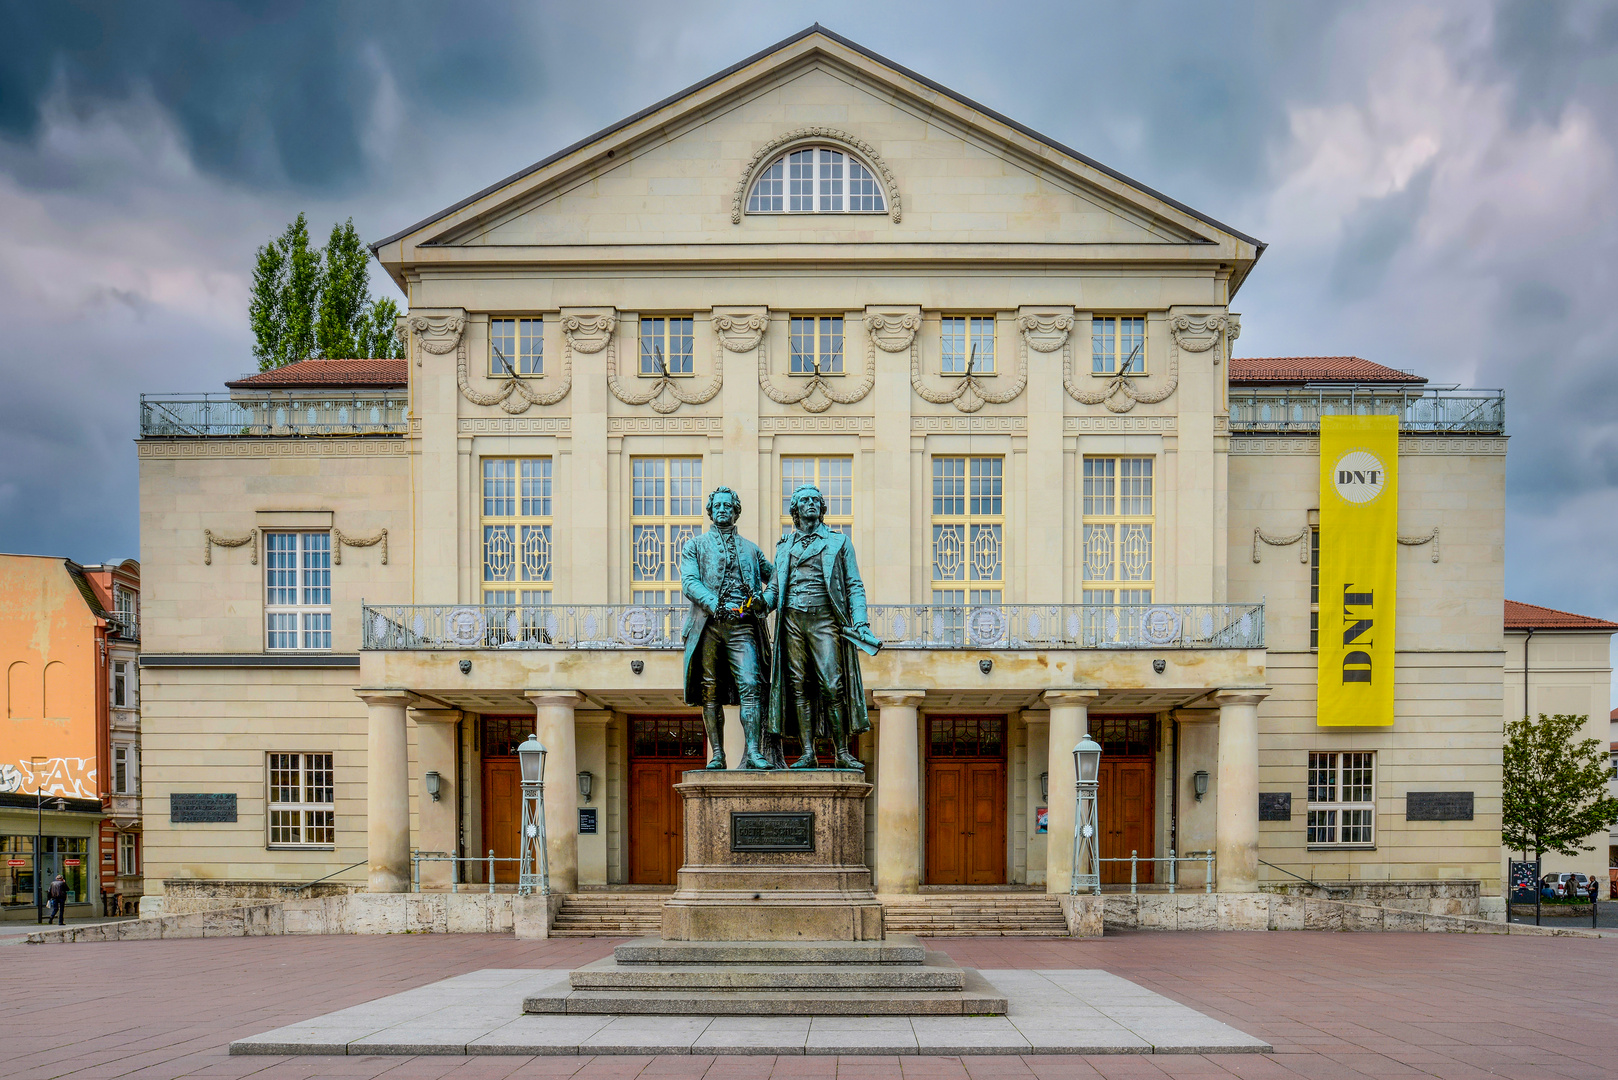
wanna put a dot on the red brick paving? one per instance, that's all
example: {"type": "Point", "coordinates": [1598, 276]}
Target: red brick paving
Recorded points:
{"type": "Point", "coordinates": [1335, 1006]}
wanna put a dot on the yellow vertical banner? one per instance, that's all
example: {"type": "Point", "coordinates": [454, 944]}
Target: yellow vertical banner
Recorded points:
{"type": "Point", "coordinates": [1359, 569]}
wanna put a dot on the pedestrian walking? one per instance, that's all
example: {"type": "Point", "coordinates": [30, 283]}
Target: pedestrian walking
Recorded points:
{"type": "Point", "coordinates": [58, 901]}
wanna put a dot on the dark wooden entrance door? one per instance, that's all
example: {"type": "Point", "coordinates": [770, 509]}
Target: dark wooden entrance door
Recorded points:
{"type": "Point", "coordinates": [966, 800]}
{"type": "Point", "coordinates": [660, 749]}
{"type": "Point", "coordinates": [1124, 806]}
{"type": "Point", "coordinates": [502, 795]}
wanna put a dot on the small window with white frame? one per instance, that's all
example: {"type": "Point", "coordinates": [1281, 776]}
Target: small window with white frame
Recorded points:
{"type": "Point", "coordinates": [125, 780]}
{"type": "Point", "coordinates": [128, 854]}
{"type": "Point", "coordinates": [968, 344]}
{"type": "Point", "coordinates": [816, 180]}
{"type": "Point", "coordinates": [666, 346]}
{"type": "Point", "coordinates": [516, 347]}
{"type": "Point", "coordinates": [1342, 799]}
{"type": "Point", "coordinates": [126, 608]}
{"type": "Point", "coordinates": [817, 345]}
{"type": "Point", "coordinates": [1118, 344]}
{"type": "Point", "coordinates": [302, 803]}
{"type": "Point", "coordinates": [123, 691]}
{"type": "Point", "coordinates": [297, 583]}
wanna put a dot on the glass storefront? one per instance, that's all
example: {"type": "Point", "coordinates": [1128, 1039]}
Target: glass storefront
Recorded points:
{"type": "Point", "coordinates": [67, 854]}
{"type": "Point", "coordinates": [17, 884]}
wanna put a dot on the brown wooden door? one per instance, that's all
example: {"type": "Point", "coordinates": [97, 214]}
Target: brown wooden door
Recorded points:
{"type": "Point", "coordinates": [966, 822]}
{"type": "Point", "coordinates": [1124, 806]}
{"type": "Point", "coordinates": [502, 815]}
{"type": "Point", "coordinates": [660, 749]}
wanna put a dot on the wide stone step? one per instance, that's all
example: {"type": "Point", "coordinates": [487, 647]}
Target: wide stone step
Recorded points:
{"type": "Point", "coordinates": [937, 973]}
{"type": "Point", "coordinates": [977, 998]}
{"type": "Point", "coordinates": [895, 949]}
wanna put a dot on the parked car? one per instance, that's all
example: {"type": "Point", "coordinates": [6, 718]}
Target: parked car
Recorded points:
{"type": "Point", "coordinates": [1562, 886]}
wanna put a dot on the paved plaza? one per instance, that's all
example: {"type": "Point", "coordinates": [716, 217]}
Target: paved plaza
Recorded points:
{"type": "Point", "coordinates": [1332, 1005]}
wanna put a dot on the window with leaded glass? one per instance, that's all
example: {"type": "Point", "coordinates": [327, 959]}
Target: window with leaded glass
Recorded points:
{"type": "Point", "coordinates": [1118, 554]}
{"type": "Point", "coordinates": [297, 590]}
{"type": "Point", "coordinates": [302, 804]}
{"type": "Point", "coordinates": [1118, 343]}
{"type": "Point", "coordinates": [968, 560]}
{"type": "Point", "coordinates": [666, 346]}
{"type": "Point", "coordinates": [834, 476]}
{"type": "Point", "coordinates": [1342, 799]}
{"type": "Point", "coordinates": [516, 347]}
{"type": "Point", "coordinates": [966, 736]}
{"type": "Point", "coordinates": [816, 180]}
{"type": "Point", "coordinates": [665, 511]}
{"type": "Point", "coordinates": [968, 344]}
{"type": "Point", "coordinates": [666, 736]}
{"type": "Point", "coordinates": [518, 568]}
{"type": "Point", "coordinates": [1124, 736]}
{"type": "Point", "coordinates": [817, 345]}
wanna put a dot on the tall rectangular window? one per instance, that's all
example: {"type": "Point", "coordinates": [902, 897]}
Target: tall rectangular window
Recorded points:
{"type": "Point", "coordinates": [302, 803]}
{"type": "Point", "coordinates": [297, 583]}
{"type": "Point", "coordinates": [817, 345]}
{"type": "Point", "coordinates": [128, 854]}
{"type": "Point", "coordinates": [516, 347]}
{"type": "Point", "coordinates": [517, 563]}
{"type": "Point", "coordinates": [968, 343]}
{"type": "Point", "coordinates": [120, 684]}
{"type": "Point", "coordinates": [1342, 799]}
{"type": "Point", "coordinates": [968, 522]}
{"type": "Point", "coordinates": [1314, 588]}
{"type": "Point", "coordinates": [834, 476]}
{"type": "Point", "coordinates": [666, 346]}
{"type": "Point", "coordinates": [124, 773]}
{"type": "Point", "coordinates": [1118, 343]}
{"type": "Point", "coordinates": [665, 511]}
{"type": "Point", "coordinates": [126, 608]}
{"type": "Point", "coordinates": [1118, 543]}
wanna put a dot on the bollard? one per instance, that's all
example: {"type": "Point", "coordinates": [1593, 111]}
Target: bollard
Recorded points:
{"type": "Point", "coordinates": [1173, 872]}
{"type": "Point", "coordinates": [1207, 874]}
{"type": "Point", "coordinates": [491, 871]}
{"type": "Point", "coordinates": [415, 871]}
{"type": "Point", "coordinates": [1132, 864]}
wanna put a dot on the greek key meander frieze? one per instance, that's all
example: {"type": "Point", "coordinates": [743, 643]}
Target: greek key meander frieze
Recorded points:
{"type": "Point", "coordinates": [268, 448]}
{"type": "Point", "coordinates": [785, 425]}
{"type": "Point", "coordinates": [782, 143]}
{"type": "Point", "coordinates": [1114, 424]}
{"type": "Point", "coordinates": [1309, 446]}
{"type": "Point", "coordinates": [501, 425]}
{"type": "Point", "coordinates": [964, 424]}
{"type": "Point", "coordinates": [664, 425]}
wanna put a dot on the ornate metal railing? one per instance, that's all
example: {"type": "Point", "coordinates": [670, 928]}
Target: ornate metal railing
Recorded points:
{"type": "Point", "coordinates": [264, 415]}
{"type": "Point", "coordinates": [1283, 410]}
{"type": "Point", "coordinates": [900, 626]}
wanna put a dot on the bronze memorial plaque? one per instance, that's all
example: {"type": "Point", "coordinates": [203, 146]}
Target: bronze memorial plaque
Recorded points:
{"type": "Point", "coordinates": [772, 831]}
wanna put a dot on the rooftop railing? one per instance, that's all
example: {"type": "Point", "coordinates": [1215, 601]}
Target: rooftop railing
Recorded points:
{"type": "Point", "coordinates": [270, 415]}
{"type": "Point", "coordinates": [1297, 410]}
{"type": "Point", "coordinates": [900, 626]}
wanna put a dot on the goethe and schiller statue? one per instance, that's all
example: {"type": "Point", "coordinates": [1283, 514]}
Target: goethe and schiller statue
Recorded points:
{"type": "Point", "coordinates": [808, 681]}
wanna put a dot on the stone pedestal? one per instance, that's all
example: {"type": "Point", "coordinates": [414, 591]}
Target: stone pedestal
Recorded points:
{"type": "Point", "coordinates": [774, 856]}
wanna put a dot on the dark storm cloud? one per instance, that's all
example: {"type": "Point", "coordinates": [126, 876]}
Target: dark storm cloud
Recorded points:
{"type": "Point", "coordinates": [1555, 52]}
{"type": "Point", "coordinates": [1374, 233]}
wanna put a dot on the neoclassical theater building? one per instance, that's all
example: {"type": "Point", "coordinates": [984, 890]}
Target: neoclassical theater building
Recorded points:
{"type": "Point", "coordinates": [1011, 371]}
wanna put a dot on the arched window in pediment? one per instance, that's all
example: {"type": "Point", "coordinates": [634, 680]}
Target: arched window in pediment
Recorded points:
{"type": "Point", "coordinates": [817, 180]}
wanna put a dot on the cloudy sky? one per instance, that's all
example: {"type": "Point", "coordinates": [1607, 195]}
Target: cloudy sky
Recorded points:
{"type": "Point", "coordinates": [1436, 182]}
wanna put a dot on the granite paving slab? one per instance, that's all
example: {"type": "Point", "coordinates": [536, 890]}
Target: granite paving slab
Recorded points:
{"type": "Point", "coordinates": [1047, 1012]}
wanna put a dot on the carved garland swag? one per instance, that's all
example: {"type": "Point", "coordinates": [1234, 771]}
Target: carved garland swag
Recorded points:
{"type": "Point", "coordinates": [339, 540]}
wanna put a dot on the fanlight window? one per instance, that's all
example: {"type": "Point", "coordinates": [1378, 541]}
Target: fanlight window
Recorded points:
{"type": "Point", "coordinates": [816, 180]}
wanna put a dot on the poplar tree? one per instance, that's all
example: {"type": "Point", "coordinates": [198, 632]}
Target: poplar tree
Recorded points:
{"type": "Point", "coordinates": [1555, 786]}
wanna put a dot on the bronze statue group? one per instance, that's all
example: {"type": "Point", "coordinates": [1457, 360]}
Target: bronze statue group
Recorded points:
{"type": "Point", "coordinates": [807, 682]}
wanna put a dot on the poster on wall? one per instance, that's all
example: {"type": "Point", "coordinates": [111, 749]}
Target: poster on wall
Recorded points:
{"type": "Point", "coordinates": [1042, 819]}
{"type": "Point", "coordinates": [1359, 543]}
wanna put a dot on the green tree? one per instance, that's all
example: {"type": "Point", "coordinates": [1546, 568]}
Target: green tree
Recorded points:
{"type": "Point", "coordinates": [345, 293]}
{"type": "Point", "coordinates": [316, 301]}
{"type": "Point", "coordinates": [1555, 792]}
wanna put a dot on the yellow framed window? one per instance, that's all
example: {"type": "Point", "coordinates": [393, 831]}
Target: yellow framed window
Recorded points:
{"type": "Point", "coordinates": [968, 558]}
{"type": "Point", "coordinates": [666, 346]}
{"type": "Point", "coordinates": [817, 345]}
{"type": "Point", "coordinates": [1119, 560]}
{"type": "Point", "coordinates": [516, 347]}
{"type": "Point", "coordinates": [1118, 343]}
{"type": "Point", "coordinates": [834, 476]}
{"type": "Point", "coordinates": [517, 554]}
{"type": "Point", "coordinates": [968, 344]}
{"type": "Point", "coordinates": [665, 511]}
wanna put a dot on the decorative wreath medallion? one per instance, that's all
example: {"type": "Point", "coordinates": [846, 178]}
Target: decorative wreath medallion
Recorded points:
{"type": "Point", "coordinates": [985, 626]}
{"type": "Point", "coordinates": [379, 628]}
{"type": "Point", "coordinates": [636, 626]}
{"type": "Point", "coordinates": [465, 625]}
{"type": "Point", "coordinates": [1159, 626]}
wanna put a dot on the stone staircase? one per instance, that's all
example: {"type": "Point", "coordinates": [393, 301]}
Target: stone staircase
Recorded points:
{"type": "Point", "coordinates": [610, 914]}
{"type": "Point", "coordinates": [985, 914]}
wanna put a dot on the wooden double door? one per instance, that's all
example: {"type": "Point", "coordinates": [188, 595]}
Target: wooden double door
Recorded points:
{"type": "Point", "coordinates": [1124, 807]}
{"type": "Point", "coordinates": [966, 801]}
{"type": "Point", "coordinates": [660, 750]}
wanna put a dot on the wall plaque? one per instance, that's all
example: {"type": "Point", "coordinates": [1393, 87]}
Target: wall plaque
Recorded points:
{"type": "Point", "coordinates": [1438, 806]}
{"type": "Point", "coordinates": [193, 808]}
{"type": "Point", "coordinates": [772, 832]}
{"type": "Point", "coordinates": [587, 819]}
{"type": "Point", "coordinates": [1275, 806]}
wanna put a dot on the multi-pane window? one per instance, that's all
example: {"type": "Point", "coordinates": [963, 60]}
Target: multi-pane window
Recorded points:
{"type": "Point", "coordinates": [1314, 588]}
{"type": "Point", "coordinates": [1118, 556]}
{"type": "Point", "coordinates": [1342, 799]}
{"type": "Point", "coordinates": [123, 770]}
{"type": "Point", "coordinates": [834, 476]}
{"type": "Point", "coordinates": [966, 736]}
{"type": "Point", "coordinates": [302, 807]}
{"type": "Point", "coordinates": [517, 562]}
{"type": "Point", "coordinates": [128, 854]}
{"type": "Point", "coordinates": [297, 583]}
{"type": "Point", "coordinates": [666, 736]}
{"type": "Point", "coordinates": [968, 344]}
{"type": "Point", "coordinates": [666, 346]}
{"type": "Point", "coordinates": [516, 347]}
{"type": "Point", "coordinates": [665, 511]}
{"type": "Point", "coordinates": [125, 694]}
{"type": "Point", "coordinates": [1118, 344]}
{"type": "Point", "coordinates": [816, 180]}
{"type": "Point", "coordinates": [968, 522]}
{"type": "Point", "coordinates": [817, 345]}
{"type": "Point", "coordinates": [126, 608]}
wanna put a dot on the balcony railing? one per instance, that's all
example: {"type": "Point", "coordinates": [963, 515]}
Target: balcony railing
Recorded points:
{"type": "Point", "coordinates": [900, 626]}
{"type": "Point", "coordinates": [268, 415]}
{"type": "Point", "coordinates": [1292, 410]}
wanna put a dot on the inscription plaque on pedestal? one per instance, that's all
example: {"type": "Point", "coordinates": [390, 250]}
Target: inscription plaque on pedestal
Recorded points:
{"type": "Point", "coordinates": [772, 831]}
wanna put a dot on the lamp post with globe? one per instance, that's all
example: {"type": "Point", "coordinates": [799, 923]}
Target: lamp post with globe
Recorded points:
{"type": "Point", "coordinates": [1086, 853]}
{"type": "Point", "coordinates": [531, 763]}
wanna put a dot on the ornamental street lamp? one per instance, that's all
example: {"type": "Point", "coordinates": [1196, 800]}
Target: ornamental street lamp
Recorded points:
{"type": "Point", "coordinates": [1086, 853]}
{"type": "Point", "coordinates": [531, 762]}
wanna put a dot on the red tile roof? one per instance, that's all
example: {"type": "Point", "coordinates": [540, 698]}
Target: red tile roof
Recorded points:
{"type": "Point", "coordinates": [1301, 369]}
{"type": "Point", "coordinates": [1532, 616]}
{"type": "Point", "coordinates": [327, 374]}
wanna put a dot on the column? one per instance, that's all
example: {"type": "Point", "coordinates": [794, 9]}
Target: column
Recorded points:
{"type": "Point", "coordinates": [553, 723]}
{"type": "Point", "coordinates": [436, 821]}
{"type": "Point", "coordinates": [387, 790]}
{"type": "Point", "coordinates": [1236, 821]}
{"type": "Point", "coordinates": [1037, 725]}
{"type": "Point", "coordinates": [898, 800]}
{"type": "Point", "coordinates": [1070, 719]}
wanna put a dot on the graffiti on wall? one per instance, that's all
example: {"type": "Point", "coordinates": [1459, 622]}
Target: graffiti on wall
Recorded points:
{"type": "Point", "coordinates": [73, 777]}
